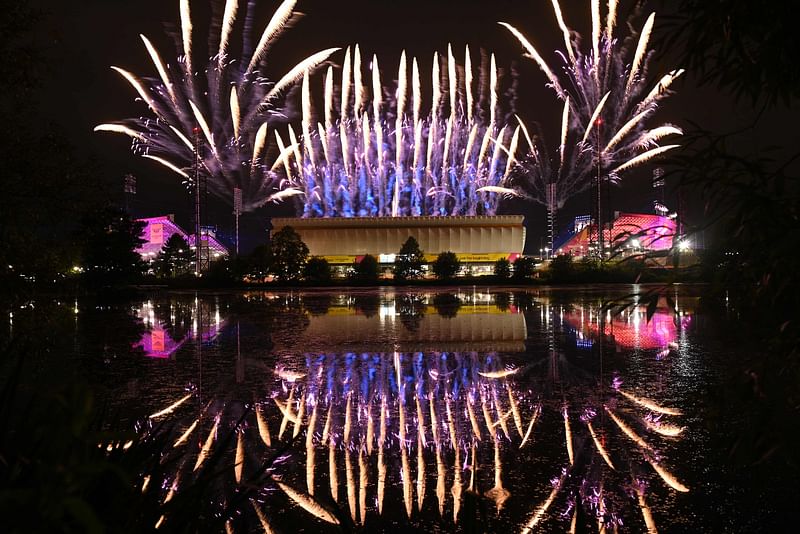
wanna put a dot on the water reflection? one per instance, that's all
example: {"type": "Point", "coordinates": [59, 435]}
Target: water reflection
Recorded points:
{"type": "Point", "coordinates": [430, 410]}
{"type": "Point", "coordinates": [167, 328]}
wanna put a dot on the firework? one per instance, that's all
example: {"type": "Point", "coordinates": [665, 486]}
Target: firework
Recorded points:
{"type": "Point", "coordinates": [387, 156]}
{"type": "Point", "coordinates": [215, 114]}
{"type": "Point", "coordinates": [607, 103]}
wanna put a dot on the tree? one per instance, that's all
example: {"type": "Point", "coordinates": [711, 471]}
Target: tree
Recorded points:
{"type": "Point", "coordinates": [175, 258]}
{"type": "Point", "coordinates": [289, 254]}
{"type": "Point", "coordinates": [561, 268]}
{"type": "Point", "coordinates": [317, 270]}
{"type": "Point", "coordinates": [259, 263]}
{"type": "Point", "coordinates": [110, 240]}
{"type": "Point", "coordinates": [502, 268]}
{"type": "Point", "coordinates": [446, 265]}
{"type": "Point", "coordinates": [409, 261]}
{"type": "Point", "coordinates": [523, 268]}
{"type": "Point", "coordinates": [366, 270]}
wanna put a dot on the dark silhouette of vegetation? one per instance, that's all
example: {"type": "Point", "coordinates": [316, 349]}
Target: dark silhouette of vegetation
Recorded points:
{"type": "Point", "coordinates": [748, 48]}
{"type": "Point", "coordinates": [502, 300]}
{"type": "Point", "coordinates": [446, 304]}
{"type": "Point", "coordinates": [67, 468]}
{"type": "Point", "coordinates": [502, 268]}
{"type": "Point", "coordinates": [289, 254]}
{"type": "Point", "coordinates": [524, 268]}
{"type": "Point", "coordinates": [259, 262]}
{"type": "Point", "coordinates": [46, 188]}
{"type": "Point", "coordinates": [744, 46]}
{"type": "Point", "coordinates": [561, 268]}
{"type": "Point", "coordinates": [411, 309]}
{"type": "Point", "coordinates": [108, 254]}
{"type": "Point", "coordinates": [366, 270]}
{"type": "Point", "coordinates": [175, 259]}
{"type": "Point", "coordinates": [317, 270]}
{"type": "Point", "coordinates": [367, 304]}
{"type": "Point", "coordinates": [446, 265]}
{"type": "Point", "coordinates": [409, 261]}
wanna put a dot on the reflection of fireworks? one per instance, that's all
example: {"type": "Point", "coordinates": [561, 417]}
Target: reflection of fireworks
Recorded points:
{"type": "Point", "coordinates": [231, 107]}
{"type": "Point", "coordinates": [607, 102]}
{"type": "Point", "coordinates": [364, 430]}
{"type": "Point", "coordinates": [391, 160]}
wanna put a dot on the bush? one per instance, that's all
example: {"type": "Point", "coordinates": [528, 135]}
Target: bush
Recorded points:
{"type": "Point", "coordinates": [317, 270]}
{"type": "Point", "coordinates": [366, 270]}
{"type": "Point", "coordinates": [446, 265]}
{"type": "Point", "coordinates": [523, 268]}
{"type": "Point", "coordinates": [562, 268]}
{"type": "Point", "coordinates": [502, 268]}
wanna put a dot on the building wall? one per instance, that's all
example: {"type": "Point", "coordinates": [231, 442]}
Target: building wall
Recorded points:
{"type": "Point", "coordinates": [480, 239]}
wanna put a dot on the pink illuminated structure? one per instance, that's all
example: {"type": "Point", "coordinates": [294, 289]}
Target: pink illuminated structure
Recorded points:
{"type": "Point", "coordinates": [158, 230]}
{"type": "Point", "coordinates": [643, 232]}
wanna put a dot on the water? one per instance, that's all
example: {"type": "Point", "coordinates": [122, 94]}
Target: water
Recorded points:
{"type": "Point", "coordinates": [436, 410]}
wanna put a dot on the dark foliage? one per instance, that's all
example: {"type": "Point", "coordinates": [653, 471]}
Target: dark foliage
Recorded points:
{"type": "Point", "coordinates": [366, 270]}
{"type": "Point", "coordinates": [409, 261]}
{"type": "Point", "coordinates": [746, 46]}
{"type": "Point", "coordinates": [317, 270]}
{"type": "Point", "coordinates": [502, 268]}
{"type": "Point", "coordinates": [175, 258]}
{"type": "Point", "coordinates": [446, 265]}
{"type": "Point", "coordinates": [523, 268]}
{"type": "Point", "coordinates": [446, 304]}
{"type": "Point", "coordinates": [259, 262]}
{"type": "Point", "coordinates": [289, 254]}
{"type": "Point", "coordinates": [109, 239]}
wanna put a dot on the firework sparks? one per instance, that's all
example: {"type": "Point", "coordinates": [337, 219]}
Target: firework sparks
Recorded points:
{"type": "Point", "coordinates": [190, 94]}
{"type": "Point", "coordinates": [607, 104]}
{"type": "Point", "coordinates": [389, 160]}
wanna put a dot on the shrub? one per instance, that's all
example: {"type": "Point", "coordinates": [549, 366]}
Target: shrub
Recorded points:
{"type": "Point", "coordinates": [502, 268]}
{"type": "Point", "coordinates": [446, 265]}
{"type": "Point", "coordinates": [366, 270]}
{"type": "Point", "coordinates": [317, 270]}
{"type": "Point", "coordinates": [523, 268]}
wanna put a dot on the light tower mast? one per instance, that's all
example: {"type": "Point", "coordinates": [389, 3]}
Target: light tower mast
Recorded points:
{"type": "Point", "coordinates": [237, 211]}
{"type": "Point", "coordinates": [200, 245]}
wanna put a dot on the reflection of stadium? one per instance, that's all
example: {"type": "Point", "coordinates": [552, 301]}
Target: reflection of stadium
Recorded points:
{"type": "Point", "coordinates": [163, 335]}
{"type": "Point", "coordinates": [478, 240]}
{"type": "Point", "coordinates": [484, 329]}
{"type": "Point", "coordinates": [631, 328]}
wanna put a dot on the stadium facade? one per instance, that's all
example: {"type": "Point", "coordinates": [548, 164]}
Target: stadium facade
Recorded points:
{"type": "Point", "coordinates": [477, 241]}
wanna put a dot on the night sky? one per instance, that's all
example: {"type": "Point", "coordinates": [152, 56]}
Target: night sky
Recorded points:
{"type": "Point", "coordinates": [84, 38]}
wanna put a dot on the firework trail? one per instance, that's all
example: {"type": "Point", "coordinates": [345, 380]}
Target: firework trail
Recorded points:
{"type": "Point", "coordinates": [221, 108]}
{"type": "Point", "coordinates": [387, 156]}
{"type": "Point", "coordinates": [607, 103]}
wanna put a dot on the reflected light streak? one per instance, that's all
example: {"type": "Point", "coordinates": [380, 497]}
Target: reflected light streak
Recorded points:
{"type": "Point", "coordinates": [172, 407]}
{"type": "Point", "coordinates": [650, 405]}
